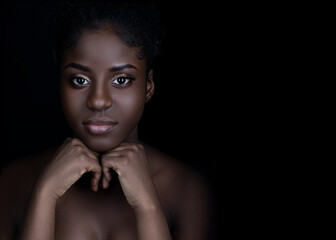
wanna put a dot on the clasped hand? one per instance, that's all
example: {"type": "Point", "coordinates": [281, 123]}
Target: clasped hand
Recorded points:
{"type": "Point", "coordinates": [73, 159]}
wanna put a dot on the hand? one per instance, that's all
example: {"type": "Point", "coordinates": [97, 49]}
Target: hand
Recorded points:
{"type": "Point", "coordinates": [70, 162]}
{"type": "Point", "coordinates": [129, 161]}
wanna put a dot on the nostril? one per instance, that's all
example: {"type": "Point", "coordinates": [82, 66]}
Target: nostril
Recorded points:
{"type": "Point", "coordinates": [98, 101]}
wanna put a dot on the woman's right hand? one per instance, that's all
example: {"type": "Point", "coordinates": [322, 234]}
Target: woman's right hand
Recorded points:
{"type": "Point", "coordinates": [69, 163]}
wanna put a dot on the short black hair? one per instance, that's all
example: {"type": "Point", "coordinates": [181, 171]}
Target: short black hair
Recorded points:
{"type": "Point", "coordinates": [136, 24]}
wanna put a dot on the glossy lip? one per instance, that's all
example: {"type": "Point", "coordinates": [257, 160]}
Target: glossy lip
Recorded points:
{"type": "Point", "coordinates": [99, 126]}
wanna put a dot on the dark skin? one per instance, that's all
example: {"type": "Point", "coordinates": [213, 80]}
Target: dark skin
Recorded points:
{"type": "Point", "coordinates": [104, 183]}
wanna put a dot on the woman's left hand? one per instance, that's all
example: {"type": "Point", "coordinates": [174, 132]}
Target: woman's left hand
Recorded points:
{"type": "Point", "coordinates": [130, 162]}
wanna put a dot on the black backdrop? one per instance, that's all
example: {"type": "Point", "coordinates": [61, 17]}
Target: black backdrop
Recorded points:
{"type": "Point", "coordinates": [221, 101]}
{"type": "Point", "coordinates": [184, 117]}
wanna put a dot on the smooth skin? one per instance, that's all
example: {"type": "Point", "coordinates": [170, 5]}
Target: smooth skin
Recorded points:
{"type": "Point", "coordinates": [103, 186]}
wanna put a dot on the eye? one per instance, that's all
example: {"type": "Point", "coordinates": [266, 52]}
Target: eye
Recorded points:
{"type": "Point", "coordinates": [122, 80]}
{"type": "Point", "coordinates": [79, 81]}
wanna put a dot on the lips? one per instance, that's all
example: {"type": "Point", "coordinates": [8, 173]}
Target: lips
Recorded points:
{"type": "Point", "coordinates": [99, 126]}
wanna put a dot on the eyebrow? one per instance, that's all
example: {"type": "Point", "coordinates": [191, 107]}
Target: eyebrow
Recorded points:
{"type": "Point", "coordinates": [87, 69]}
{"type": "Point", "coordinates": [122, 67]}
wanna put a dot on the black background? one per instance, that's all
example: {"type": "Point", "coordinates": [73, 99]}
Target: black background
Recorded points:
{"type": "Point", "coordinates": [225, 100]}
{"type": "Point", "coordinates": [186, 118]}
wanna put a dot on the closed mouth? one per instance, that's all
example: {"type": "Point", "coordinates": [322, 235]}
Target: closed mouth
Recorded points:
{"type": "Point", "coordinates": [99, 125]}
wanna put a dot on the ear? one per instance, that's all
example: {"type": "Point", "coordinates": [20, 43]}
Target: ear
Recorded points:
{"type": "Point", "coordinates": [150, 86]}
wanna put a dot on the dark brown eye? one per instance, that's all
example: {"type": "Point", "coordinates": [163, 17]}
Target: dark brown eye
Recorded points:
{"type": "Point", "coordinates": [121, 80]}
{"type": "Point", "coordinates": [80, 81]}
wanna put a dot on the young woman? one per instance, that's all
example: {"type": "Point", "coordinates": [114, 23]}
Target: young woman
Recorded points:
{"type": "Point", "coordinates": [104, 182]}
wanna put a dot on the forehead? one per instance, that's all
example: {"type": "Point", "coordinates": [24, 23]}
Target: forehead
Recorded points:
{"type": "Point", "coordinates": [102, 48]}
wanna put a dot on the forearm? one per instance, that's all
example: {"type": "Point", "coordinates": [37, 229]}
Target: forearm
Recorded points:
{"type": "Point", "coordinates": [152, 224]}
{"type": "Point", "coordinates": [39, 219]}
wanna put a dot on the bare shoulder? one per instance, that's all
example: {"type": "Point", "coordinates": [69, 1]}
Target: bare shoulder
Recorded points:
{"type": "Point", "coordinates": [165, 166]}
{"type": "Point", "coordinates": [172, 174]}
{"type": "Point", "coordinates": [23, 171]}
{"type": "Point", "coordinates": [15, 182]}
{"type": "Point", "coordinates": [17, 179]}
{"type": "Point", "coordinates": [16, 173]}
{"type": "Point", "coordinates": [184, 195]}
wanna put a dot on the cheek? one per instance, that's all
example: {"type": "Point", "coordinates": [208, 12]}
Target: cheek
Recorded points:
{"type": "Point", "coordinates": [131, 106]}
{"type": "Point", "coordinates": [71, 104]}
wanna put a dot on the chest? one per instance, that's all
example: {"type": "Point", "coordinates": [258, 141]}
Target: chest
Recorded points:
{"type": "Point", "coordinates": [95, 216]}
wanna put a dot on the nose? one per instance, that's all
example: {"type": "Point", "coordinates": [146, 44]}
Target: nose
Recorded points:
{"type": "Point", "coordinates": [99, 98]}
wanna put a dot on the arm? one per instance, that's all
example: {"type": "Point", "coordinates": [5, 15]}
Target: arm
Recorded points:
{"type": "Point", "coordinates": [151, 221]}
{"type": "Point", "coordinates": [39, 220]}
{"type": "Point", "coordinates": [71, 161]}
{"type": "Point", "coordinates": [129, 161]}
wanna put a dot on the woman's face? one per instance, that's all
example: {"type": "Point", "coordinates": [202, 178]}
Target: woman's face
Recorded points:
{"type": "Point", "coordinates": [103, 90]}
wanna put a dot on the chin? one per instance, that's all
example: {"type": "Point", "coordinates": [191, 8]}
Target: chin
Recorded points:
{"type": "Point", "coordinates": [101, 145]}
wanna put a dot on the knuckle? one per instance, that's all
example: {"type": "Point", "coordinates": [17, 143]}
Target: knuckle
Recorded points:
{"type": "Point", "coordinates": [141, 147]}
{"type": "Point", "coordinates": [133, 150]}
{"type": "Point", "coordinates": [76, 142]}
{"type": "Point", "coordinates": [103, 159]}
{"type": "Point", "coordinates": [126, 162]}
{"type": "Point", "coordinates": [77, 148]}
{"type": "Point", "coordinates": [129, 154]}
{"type": "Point", "coordinates": [73, 140]}
{"type": "Point", "coordinates": [82, 157]}
{"type": "Point", "coordinates": [82, 171]}
{"type": "Point", "coordinates": [138, 147]}
{"type": "Point", "coordinates": [133, 147]}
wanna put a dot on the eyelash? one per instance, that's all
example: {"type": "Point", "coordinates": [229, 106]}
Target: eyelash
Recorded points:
{"type": "Point", "coordinates": [127, 79]}
{"type": "Point", "coordinates": [73, 81]}
{"type": "Point", "coordinates": [115, 81]}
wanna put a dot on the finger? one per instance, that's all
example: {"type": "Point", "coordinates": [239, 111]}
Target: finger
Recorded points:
{"type": "Point", "coordinates": [106, 182]}
{"type": "Point", "coordinates": [122, 151]}
{"type": "Point", "coordinates": [112, 161]}
{"type": "Point", "coordinates": [107, 173]}
{"type": "Point", "coordinates": [96, 174]}
{"type": "Point", "coordinates": [95, 181]}
{"type": "Point", "coordinates": [108, 164]}
{"type": "Point", "coordinates": [88, 151]}
{"type": "Point", "coordinates": [92, 154]}
{"type": "Point", "coordinates": [114, 154]}
{"type": "Point", "coordinates": [124, 146]}
{"type": "Point", "coordinates": [107, 176]}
